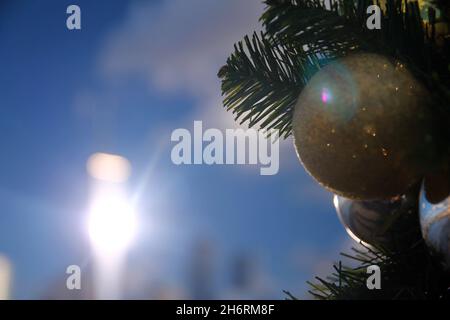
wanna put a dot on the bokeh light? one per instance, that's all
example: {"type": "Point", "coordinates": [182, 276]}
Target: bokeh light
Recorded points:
{"type": "Point", "coordinates": [109, 167]}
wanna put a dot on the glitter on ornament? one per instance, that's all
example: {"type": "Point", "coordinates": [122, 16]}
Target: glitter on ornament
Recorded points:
{"type": "Point", "coordinates": [362, 136]}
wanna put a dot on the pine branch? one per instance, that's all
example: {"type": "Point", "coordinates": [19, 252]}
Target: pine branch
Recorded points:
{"type": "Point", "coordinates": [262, 81]}
{"type": "Point", "coordinates": [309, 23]}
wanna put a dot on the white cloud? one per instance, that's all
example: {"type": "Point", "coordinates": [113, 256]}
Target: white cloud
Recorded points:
{"type": "Point", "coordinates": [179, 44]}
{"type": "Point", "coordinates": [176, 48]}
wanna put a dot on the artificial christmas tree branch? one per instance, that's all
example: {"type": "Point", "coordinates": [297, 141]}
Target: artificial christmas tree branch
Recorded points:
{"type": "Point", "coordinates": [262, 81]}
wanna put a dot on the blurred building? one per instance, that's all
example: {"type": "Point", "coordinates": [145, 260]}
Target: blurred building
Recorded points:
{"type": "Point", "coordinates": [5, 278]}
{"type": "Point", "coordinates": [201, 271]}
{"type": "Point", "coordinates": [243, 272]}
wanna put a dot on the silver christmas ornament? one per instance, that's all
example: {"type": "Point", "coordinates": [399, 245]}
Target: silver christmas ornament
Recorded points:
{"type": "Point", "coordinates": [367, 221]}
{"type": "Point", "coordinates": [435, 226]}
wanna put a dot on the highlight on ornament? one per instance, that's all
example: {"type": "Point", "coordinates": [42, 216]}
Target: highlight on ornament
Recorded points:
{"type": "Point", "coordinates": [326, 96]}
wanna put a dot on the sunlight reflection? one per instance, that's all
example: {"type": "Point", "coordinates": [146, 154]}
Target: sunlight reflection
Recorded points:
{"type": "Point", "coordinates": [112, 222]}
{"type": "Point", "coordinates": [325, 95]}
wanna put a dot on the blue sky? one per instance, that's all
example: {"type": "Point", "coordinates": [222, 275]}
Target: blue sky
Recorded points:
{"type": "Point", "coordinates": [135, 72]}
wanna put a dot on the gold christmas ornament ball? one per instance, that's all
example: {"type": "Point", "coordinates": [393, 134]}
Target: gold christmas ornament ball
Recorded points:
{"type": "Point", "coordinates": [363, 127]}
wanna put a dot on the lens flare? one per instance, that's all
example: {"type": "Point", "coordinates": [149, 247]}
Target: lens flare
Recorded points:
{"type": "Point", "coordinates": [108, 167]}
{"type": "Point", "coordinates": [325, 96]}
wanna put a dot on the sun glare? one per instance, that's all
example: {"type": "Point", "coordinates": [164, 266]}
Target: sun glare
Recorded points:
{"type": "Point", "coordinates": [112, 223]}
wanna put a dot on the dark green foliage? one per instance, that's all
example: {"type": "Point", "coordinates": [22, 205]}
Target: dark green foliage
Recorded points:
{"type": "Point", "coordinates": [409, 274]}
{"type": "Point", "coordinates": [262, 81]}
